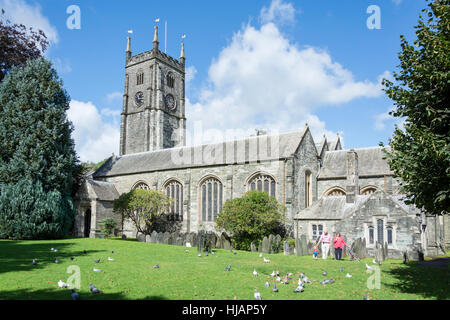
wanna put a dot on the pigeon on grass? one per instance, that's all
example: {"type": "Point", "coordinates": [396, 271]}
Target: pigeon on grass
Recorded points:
{"type": "Point", "coordinates": [94, 289]}
{"type": "Point", "coordinates": [75, 295]}
{"type": "Point", "coordinates": [257, 295]}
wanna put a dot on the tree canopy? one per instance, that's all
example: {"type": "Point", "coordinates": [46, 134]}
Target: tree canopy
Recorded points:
{"type": "Point", "coordinates": [35, 141]}
{"type": "Point", "coordinates": [18, 44]}
{"type": "Point", "coordinates": [420, 152]}
{"type": "Point", "coordinates": [142, 207]}
{"type": "Point", "coordinates": [250, 218]}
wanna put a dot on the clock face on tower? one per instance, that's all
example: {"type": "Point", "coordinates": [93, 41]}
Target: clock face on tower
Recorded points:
{"type": "Point", "coordinates": [170, 102]}
{"type": "Point", "coordinates": [139, 98]}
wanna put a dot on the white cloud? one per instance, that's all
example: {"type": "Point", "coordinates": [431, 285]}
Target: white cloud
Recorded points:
{"type": "Point", "coordinates": [397, 2]}
{"type": "Point", "coordinates": [114, 97]}
{"type": "Point", "coordinates": [279, 11]}
{"type": "Point", "coordinates": [261, 80]}
{"type": "Point", "coordinates": [191, 71]}
{"type": "Point", "coordinates": [382, 119]}
{"type": "Point", "coordinates": [95, 139]}
{"type": "Point", "coordinates": [62, 66]}
{"type": "Point", "coordinates": [18, 11]}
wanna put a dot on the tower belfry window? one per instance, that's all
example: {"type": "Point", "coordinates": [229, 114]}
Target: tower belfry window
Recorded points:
{"type": "Point", "coordinates": [140, 78]}
{"type": "Point", "coordinates": [170, 80]}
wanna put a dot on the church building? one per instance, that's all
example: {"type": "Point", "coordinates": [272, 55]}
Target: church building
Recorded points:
{"type": "Point", "coordinates": [322, 186]}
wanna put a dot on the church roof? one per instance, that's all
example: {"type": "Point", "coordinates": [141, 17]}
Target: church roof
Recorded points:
{"type": "Point", "coordinates": [370, 162]}
{"type": "Point", "coordinates": [331, 208]}
{"type": "Point", "coordinates": [258, 148]}
{"type": "Point", "coordinates": [337, 208]}
{"type": "Point", "coordinates": [104, 190]}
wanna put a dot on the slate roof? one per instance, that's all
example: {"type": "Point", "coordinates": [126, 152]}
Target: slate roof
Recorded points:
{"type": "Point", "coordinates": [331, 208]}
{"type": "Point", "coordinates": [370, 162]}
{"type": "Point", "coordinates": [104, 190]}
{"type": "Point", "coordinates": [228, 152]}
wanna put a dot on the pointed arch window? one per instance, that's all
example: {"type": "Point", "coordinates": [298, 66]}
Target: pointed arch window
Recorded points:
{"type": "Point", "coordinates": [211, 199]}
{"type": "Point", "coordinates": [141, 185]}
{"type": "Point", "coordinates": [368, 190]}
{"type": "Point", "coordinates": [380, 231]}
{"type": "Point", "coordinates": [263, 182]}
{"type": "Point", "coordinates": [170, 80]}
{"type": "Point", "coordinates": [308, 189]}
{"type": "Point", "coordinates": [174, 191]}
{"type": "Point", "coordinates": [140, 77]}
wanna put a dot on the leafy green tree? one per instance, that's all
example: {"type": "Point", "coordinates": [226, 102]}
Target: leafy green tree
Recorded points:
{"type": "Point", "coordinates": [420, 153]}
{"type": "Point", "coordinates": [35, 136]}
{"type": "Point", "coordinates": [29, 212]}
{"type": "Point", "coordinates": [18, 44]}
{"type": "Point", "coordinates": [142, 207]}
{"type": "Point", "coordinates": [250, 218]}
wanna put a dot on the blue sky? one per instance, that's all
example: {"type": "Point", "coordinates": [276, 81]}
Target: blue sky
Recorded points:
{"type": "Point", "coordinates": [272, 64]}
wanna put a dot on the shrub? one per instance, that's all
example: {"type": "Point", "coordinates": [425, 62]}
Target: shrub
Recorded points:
{"type": "Point", "coordinates": [250, 218]}
{"type": "Point", "coordinates": [107, 228]}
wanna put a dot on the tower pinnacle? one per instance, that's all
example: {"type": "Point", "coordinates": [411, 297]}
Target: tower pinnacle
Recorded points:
{"type": "Point", "coordinates": [155, 38]}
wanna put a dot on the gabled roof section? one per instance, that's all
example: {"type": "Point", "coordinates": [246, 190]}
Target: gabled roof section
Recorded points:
{"type": "Point", "coordinates": [370, 162]}
{"type": "Point", "coordinates": [258, 148]}
{"type": "Point", "coordinates": [104, 190]}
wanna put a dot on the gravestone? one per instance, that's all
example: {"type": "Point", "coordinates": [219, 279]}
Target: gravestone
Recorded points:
{"type": "Point", "coordinates": [301, 246]}
{"type": "Point", "coordinates": [286, 248]}
{"type": "Point", "coordinates": [278, 243]}
{"type": "Point", "coordinates": [271, 243]}
{"type": "Point", "coordinates": [166, 236]}
{"type": "Point", "coordinates": [265, 245]}
{"type": "Point", "coordinates": [260, 247]}
{"type": "Point", "coordinates": [211, 240]}
{"type": "Point", "coordinates": [141, 237]}
{"type": "Point", "coordinates": [252, 247]}
{"type": "Point", "coordinates": [379, 254]}
{"type": "Point", "coordinates": [147, 238]}
{"type": "Point", "coordinates": [385, 251]}
{"type": "Point", "coordinates": [226, 241]}
{"type": "Point", "coordinates": [219, 244]}
{"type": "Point", "coordinates": [124, 237]}
{"type": "Point", "coordinates": [159, 237]}
{"type": "Point", "coordinates": [359, 248]}
{"type": "Point", "coordinates": [153, 237]}
{"type": "Point", "coordinates": [179, 241]}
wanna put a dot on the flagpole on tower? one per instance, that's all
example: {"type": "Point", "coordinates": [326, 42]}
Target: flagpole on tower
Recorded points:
{"type": "Point", "coordinates": [165, 37]}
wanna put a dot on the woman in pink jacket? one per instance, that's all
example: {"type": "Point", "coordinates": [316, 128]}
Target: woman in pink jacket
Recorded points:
{"type": "Point", "coordinates": [338, 245]}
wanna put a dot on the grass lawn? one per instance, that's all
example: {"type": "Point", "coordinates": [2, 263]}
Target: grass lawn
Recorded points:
{"type": "Point", "coordinates": [185, 276]}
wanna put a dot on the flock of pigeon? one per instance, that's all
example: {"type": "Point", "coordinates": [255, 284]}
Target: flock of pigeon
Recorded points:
{"type": "Point", "coordinates": [63, 285]}
{"type": "Point", "coordinates": [302, 281]}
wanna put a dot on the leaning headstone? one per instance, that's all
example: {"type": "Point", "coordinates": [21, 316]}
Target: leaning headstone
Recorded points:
{"type": "Point", "coordinates": [266, 245]}
{"type": "Point", "coordinates": [286, 248]}
{"type": "Point", "coordinates": [226, 241]}
{"type": "Point", "coordinates": [252, 247]}
{"type": "Point", "coordinates": [147, 238]}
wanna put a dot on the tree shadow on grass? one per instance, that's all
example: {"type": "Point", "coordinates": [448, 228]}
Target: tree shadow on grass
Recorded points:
{"type": "Point", "coordinates": [426, 280]}
{"type": "Point", "coordinates": [64, 294]}
{"type": "Point", "coordinates": [18, 255]}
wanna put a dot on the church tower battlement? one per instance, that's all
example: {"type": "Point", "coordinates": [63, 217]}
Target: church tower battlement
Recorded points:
{"type": "Point", "coordinates": [153, 114]}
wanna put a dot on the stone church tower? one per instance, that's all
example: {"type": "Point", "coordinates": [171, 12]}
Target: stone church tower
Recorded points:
{"type": "Point", "coordinates": [153, 115]}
